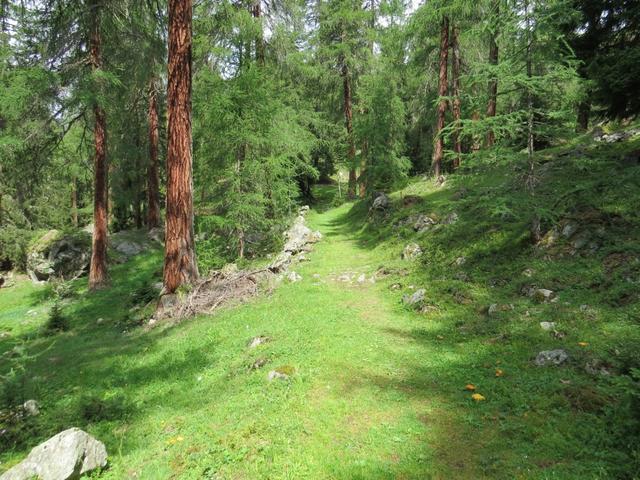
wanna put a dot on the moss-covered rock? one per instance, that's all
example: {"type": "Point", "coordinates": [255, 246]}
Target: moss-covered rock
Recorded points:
{"type": "Point", "coordinates": [56, 254]}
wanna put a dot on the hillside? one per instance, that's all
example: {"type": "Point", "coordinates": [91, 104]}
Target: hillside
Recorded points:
{"type": "Point", "coordinates": [376, 387]}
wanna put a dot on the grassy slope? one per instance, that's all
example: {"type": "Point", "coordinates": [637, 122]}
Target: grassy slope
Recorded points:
{"type": "Point", "coordinates": [378, 390]}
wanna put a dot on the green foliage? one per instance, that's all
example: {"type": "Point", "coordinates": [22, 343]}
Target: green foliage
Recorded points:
{"type": "Point", "coordinates": [381, 130]}
{"type": "Point", "coordinates": [14, 244]}
{"type": "Point", "coordinates": [57, 321]}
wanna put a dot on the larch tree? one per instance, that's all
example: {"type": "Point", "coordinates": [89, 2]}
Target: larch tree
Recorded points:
{"type": "Point", "coordinates": [180, 265]}
{"type": "Point", "coordinates": [493, 62]}
{"type": "Point", "coordinates": [98, 269]}
{"type": "Point", "coordinates": [347, 99]}
{"type": "Point", "coordinates": [456, 62]}
{"type": "Point", "coordinates": [438, 150]}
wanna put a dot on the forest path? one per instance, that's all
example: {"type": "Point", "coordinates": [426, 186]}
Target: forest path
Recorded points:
{"type": "Point", "coordinates": [376, 391]}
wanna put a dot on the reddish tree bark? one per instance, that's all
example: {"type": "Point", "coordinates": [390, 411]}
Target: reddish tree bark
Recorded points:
{"type": "Point", "coordinates": [348, 119]}
{"type": "Point", "coordinates": [438, 150]}
{"type": "Point", "coordinates": [493, 82]}
{"type": "Point", "coordinates": [180, 260]}
{"type": "Point", "coordinates": [362, 179]}
{"type": "Point", "coordinates": [153, 196]}
{"type": "Point", "coordinates": [98, 269]}
{"type": "Point", "coordinates": [455, 74]}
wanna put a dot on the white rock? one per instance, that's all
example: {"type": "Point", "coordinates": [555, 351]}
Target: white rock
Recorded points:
{"type": "Point", "coordinates": [293, 277]}
{"type": "Point", "coordinates": [548, 325]}
{"type": "Point", "coordinates": [275, 375]}
{"type": "Point", "coordinates": [258, 341]}
{"type": "Point", "coordinates": [31, 408]}
{"type": "Point", "coordinates": [416, 298]}
{"type": "Point", "coordinates": [67, 455]}
{"type": "Point", "coordinates": [543, 294]}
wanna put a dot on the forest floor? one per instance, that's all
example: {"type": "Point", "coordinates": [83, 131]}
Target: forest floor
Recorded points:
{"type": "Point", "coordinates": [376, 390]}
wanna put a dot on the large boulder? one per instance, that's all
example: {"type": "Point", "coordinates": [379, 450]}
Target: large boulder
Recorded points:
{"type": "Point", "coordinates": [67, 455]}
{"type": "Point", "coordinates": [59, 255]}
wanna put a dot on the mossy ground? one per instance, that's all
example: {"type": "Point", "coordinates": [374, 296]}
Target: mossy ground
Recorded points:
{"type": "Point", "coordinates": [377, 390]}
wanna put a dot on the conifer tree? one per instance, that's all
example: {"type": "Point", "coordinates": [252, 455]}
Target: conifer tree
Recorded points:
{"type": "Point", "coordinates": [180, 266]}
{"type": "Point", "coordinates": [98, 268]}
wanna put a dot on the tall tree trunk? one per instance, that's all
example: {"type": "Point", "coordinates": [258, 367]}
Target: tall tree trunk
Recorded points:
{"type": "Point", "coordinates": [438, 150]}
{"type": "Point", "coordinates": [584, 112]}
{"type": "Point", "coordinates": [455, 73]}
{"type": "Point", "coordinates": [348, 119]}
{"type": "Point", "coordinates": [256, 11]}
{"type": "Point", "coordinates": [493, 81]}
{"type": "Point", "coordinates": [153, 196]}
{"type": "Point", "coordinates": [74, 201]}
{"type": "Point", "coordinates": [180, 259]}
{"type": "Point", "coordinates": [364, 156]}
{"type": "Point", "coordinates": [362, 179]}
{"type": "Point", "coordinates": [530, 182]}
{"type": "Point", "coordinates": [98, 270]}
{"type": "Point", "coordinates": [241, 156]}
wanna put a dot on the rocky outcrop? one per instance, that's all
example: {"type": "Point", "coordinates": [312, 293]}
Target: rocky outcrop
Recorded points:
{"type": "Point", "coordinates": [59, 255]}
{"type": "Point", "coordinates": [230, 285]}
{"type": "Point", "coordinates": [299, 239]}
{"type": "Point", "coordinates": [66, 456]}
{"type": "Point", "coordinates": [600, 136]}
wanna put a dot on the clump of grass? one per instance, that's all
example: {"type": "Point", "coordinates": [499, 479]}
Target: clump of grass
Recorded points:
{"type": "Point", "coordinates": [94, 409]}
{"type": "Point", "coordinates": [144, 295]}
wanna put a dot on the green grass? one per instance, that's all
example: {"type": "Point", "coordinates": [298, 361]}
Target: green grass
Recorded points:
{"type": "Point", "coordinates": [377, 391]}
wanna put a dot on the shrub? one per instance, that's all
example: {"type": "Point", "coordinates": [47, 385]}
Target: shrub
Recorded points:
{"type": "Point", "coordinates": [56, 322]}
{"type": "Point", "coordinates": [14, 243]}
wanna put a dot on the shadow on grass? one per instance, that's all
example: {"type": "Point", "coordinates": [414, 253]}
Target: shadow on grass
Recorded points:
{"type": "Point", "coordinates": [84, 377]}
